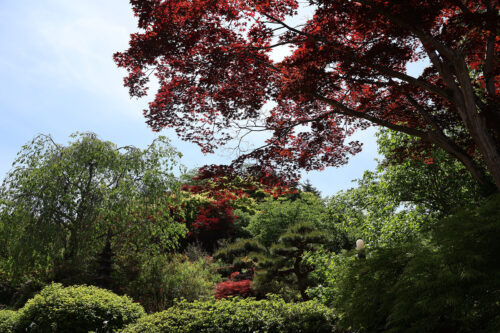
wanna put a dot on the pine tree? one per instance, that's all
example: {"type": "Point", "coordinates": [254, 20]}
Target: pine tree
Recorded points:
{"type": "Point", "coordinates": [285, 263]}
{"type": "Point", "coordinates": [308, 187]}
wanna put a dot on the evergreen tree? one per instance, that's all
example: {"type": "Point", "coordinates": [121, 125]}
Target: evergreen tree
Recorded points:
{"type": "Point", "coordinates": [308, 187]}
{"type": "Point", "coordinates": [284, 266]}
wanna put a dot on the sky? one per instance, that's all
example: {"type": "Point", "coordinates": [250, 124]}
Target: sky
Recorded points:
{"type": "Point", "coordinates": [57, 77]}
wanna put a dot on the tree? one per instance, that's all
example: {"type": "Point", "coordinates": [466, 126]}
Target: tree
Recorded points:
{"type": "Point", "coordinates": [446, 284]}
{"type": "Point", "coordinates": [347, 71]}
{"type": "Point", "coordinates": [276, 215]}
{"type": "Point", "coordinates": [242, 257]}
{"type": "Point", "coordinates": [210, 205]}
{"type": "Point", "coordinates": [66, 209]}
{"type": "Point", "coordinates": [285, 263]}
{"type": "Point", "coordinates": [434, 181]}
{"type": "Point", "coordinates": [308, 187]}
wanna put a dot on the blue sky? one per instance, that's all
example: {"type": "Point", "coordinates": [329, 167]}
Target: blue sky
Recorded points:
{"type": "Point", "coordinates": [58, 77]}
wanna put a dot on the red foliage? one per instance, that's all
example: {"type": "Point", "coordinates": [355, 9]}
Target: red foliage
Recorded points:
{"type": "Point", "coordinates": [229, 287]}
{"type": "Point", "coordinates": [347, 70]}
{"type": "Point", "coordinates": [213, 221]}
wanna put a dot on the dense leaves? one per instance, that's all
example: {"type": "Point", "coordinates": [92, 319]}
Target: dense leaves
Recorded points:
{"type": "Point", "coordinates": [162, 279]}
{"type": "Point", "coordinates": [76, 309]}
{"type": "Point", "coordinates": [234, 287]}
{"type": "Point", "coordinates": [285, 267]}
{"type": "Point", "coordinates": [67, 210]}
{"type": "Point", "coordinates": [347, 69]}
{"type": "Point", "coordinates": [274, 216]}
{"type": "Point", "coordinates": [447, 284]}
{"type": "Point", "coordinates": [239, 316]}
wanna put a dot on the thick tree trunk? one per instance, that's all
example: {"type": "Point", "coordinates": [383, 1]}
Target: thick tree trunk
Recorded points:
{"type": "Point", "coordinates": [475, 121]}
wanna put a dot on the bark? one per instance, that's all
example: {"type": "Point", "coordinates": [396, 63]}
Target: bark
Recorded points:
{"type": "Point", "coordinates": [477, 172]}
{"type": "Point", "coordinates": [476, 121]}
{"type": "Point", "coordinates": [301, 277]}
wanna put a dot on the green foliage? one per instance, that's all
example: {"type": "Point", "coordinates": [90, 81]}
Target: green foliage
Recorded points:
{"type": "Point", "coordinates": [434, 181]}
{"type": "Point", "coordinates": [449, 284]}
{"type": "Point", "coordinates": [404, 196]}
{"type": "Point", "coordinates": [276, 215]}
{"type": "Point", "coordinates": [372, 213]}
{"type": "Point", "coordinates": [283, 270]}
{"type": "Point", "coordinates": [8, 318]}
{"type": "Point", "coordinates": [457, 282]}
{"type": "Point", "coordinates": [307, 186]}
{"type": "Point", "coordinates": [162, 279]}
{"type": "Point", "coordinates": [242, 255]}
{"type": "Point", "coordinates": [60, 205]}
{"type": "Point", "coordinates": [76, 309]}
{"type": "Point", "coordinates": [238, 316]}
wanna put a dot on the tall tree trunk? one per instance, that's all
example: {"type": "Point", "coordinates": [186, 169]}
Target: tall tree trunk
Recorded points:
{"type": "Point", "coordinates": [475, 121]}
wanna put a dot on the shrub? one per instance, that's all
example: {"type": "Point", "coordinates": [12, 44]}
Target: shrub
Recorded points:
{"type": "Point", "coordinates": [164, 278]}
{"type": "Point", "coordinates": [76, 309]}
{"type": "Point", "coordinates": [7, 320]}
{"type": "Point", "coordinates": [238, 315]}
{"type": "Point", "coordinates": [230, 287]}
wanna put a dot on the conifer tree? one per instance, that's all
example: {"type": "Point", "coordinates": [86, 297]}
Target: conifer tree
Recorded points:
{"type": "Point", "coordinates": [285, 260]}
{"type": "Point", "coordinates": [308, 187]}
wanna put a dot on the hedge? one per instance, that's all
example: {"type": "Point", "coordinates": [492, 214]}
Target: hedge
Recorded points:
{"type": "Point", "coordinates": [238, 315]}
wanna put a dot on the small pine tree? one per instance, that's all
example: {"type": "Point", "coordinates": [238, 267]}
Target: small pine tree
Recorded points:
{"type": "Point", "coordinates": [285, 263]}
{"type": "Point", "coordinates": [308, 187]}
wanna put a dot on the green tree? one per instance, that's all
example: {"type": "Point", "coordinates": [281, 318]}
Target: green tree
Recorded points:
{"type": "Point", "coordinates": [63, 206]}
{"type": "Point", "coordinates": [372, 213]}
{"type": "Point", "coordinates": [404, 195]}
{"type": "Point", "coordinates": [448, 283]}
{"type": "Point", "coordinates": [285, 267]}
{"type": "Point", "coordinates": [275, 215]}
{"type": "Point", "coordinates": [307, 186]}
{"type": "Point", "coordinates": [432, 179]}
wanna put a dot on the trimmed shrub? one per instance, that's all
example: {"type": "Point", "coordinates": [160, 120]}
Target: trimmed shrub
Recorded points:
{"type": "Point", "coordinates": [7, 320]}
{"type": "Point", "coordinates": [238, 315]}
{"type": "Point", "coordinates": [76, 309]}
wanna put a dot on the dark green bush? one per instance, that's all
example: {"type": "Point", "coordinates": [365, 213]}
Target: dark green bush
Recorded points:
{"type": "Point", "coordinates": [455, 286]}
{"type": "Point", "coordinates": [76, 309]}
{"type": "Point", "coordinates": [237, 316]}
{"type": "Point", "coordinates": [449, 284]}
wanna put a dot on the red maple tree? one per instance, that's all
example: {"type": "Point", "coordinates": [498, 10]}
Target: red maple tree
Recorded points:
{"type": "Point", "coordinates": [213, 218]}
{"type": "Point", "coordinates": [347, 70]}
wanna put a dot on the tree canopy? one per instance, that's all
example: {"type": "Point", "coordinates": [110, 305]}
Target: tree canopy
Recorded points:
{"type": "Point", "coordinates": [65, 207]}
{"type": "Point", "coordinates": [347, 70]}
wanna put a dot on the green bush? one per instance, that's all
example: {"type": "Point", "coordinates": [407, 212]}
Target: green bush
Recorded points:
{"type": "Point", "coordinates": [76, 309]}
{"type": "Point", "coordinates": [164, 278]}
{"type": "Point", "coordinates": [237, 315]}
{"type": "Point", "coordinates": [7, 320]}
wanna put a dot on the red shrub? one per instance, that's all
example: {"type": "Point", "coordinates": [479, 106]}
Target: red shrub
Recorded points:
{"type": "Point", "coordinates": [227, 288]}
